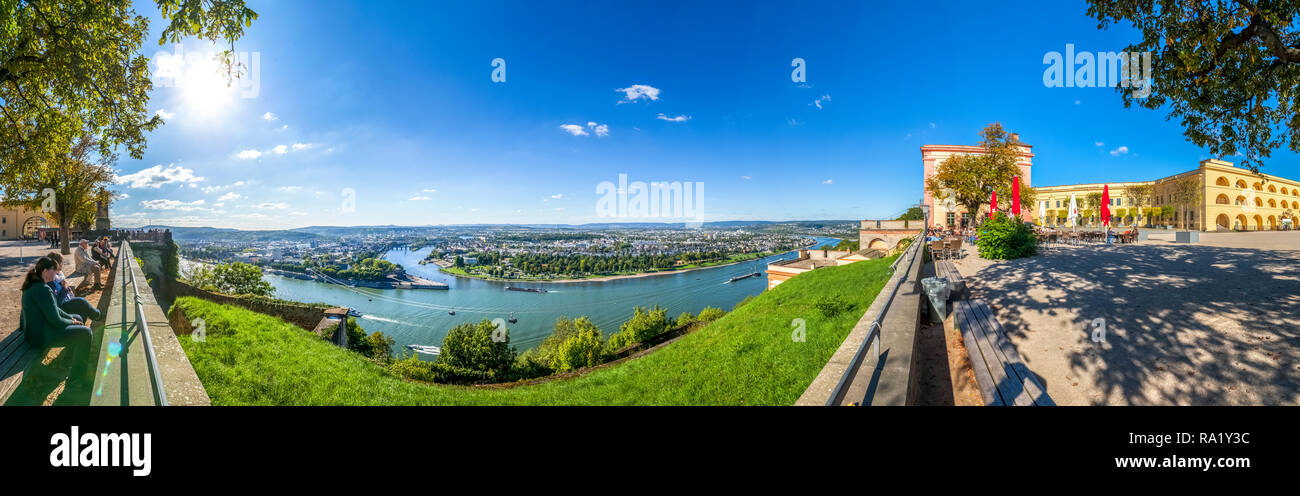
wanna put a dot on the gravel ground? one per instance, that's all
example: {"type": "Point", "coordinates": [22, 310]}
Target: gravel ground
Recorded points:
{"type": "Point", "coordinates": [1216, 323]}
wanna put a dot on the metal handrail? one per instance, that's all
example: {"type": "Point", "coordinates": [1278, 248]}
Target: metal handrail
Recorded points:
{"type": "Point", "coordinates": [160, 394]}
{"type": "Point", "coordinates": [874, 337]}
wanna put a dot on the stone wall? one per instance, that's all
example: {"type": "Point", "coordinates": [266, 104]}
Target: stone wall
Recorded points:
{"type": "Point", "coordinates": [299, 314]}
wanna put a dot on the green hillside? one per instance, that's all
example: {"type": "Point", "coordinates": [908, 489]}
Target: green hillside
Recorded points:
{"type": "Point", "coordinates": [747, 357]}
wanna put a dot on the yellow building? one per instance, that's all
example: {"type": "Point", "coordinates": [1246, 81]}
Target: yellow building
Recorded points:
{"type": "Point", "coordinates": [18, 222]}
{"type": "Point", "coordinates": [1216, 196]}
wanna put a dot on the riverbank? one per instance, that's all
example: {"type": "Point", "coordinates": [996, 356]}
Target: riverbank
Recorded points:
{"type": "Point", "coordinates": [613, 277]}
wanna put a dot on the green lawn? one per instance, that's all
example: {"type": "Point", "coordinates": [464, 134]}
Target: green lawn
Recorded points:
{"type": "Point", "coordinates": [744, 358]}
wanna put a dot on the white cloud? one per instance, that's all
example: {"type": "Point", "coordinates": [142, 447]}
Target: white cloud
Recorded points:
{"type": "Point", "coordinates": [1098, 143]}
{"type": "Point", "coordinates": [430, 190]}
{"type": "Point", "coordinates": [214, 189]}
{"type": "Point", "coordinates": [231, 196]}
{"type": "Point", "coordinates": [1076, 102]}
{"type": "Point", "coordinates": [280, 149]}
{"type": "Point", "coordinates": [419, 198]}
{"type": "Point", "coordinates": [156, 176]}
{"type": "Point", "coordinates": [680, 118]}
{"type": "Point", "coordinates": [599, 129]}
{"type": "Point", "coordinates": [638, 92]}
{"type": "Point", "coordinates": [271, 117]}
{"type": "Point", "coordinates": [1123, 150]}
{"type": "Point", "coordinates": [557, 196]}
{"type": "Point", "coordinates": [121, 196]}
{"type": "Point", "coordinates": [574, 129]}
{"type": "Point", "coordinates": [746, 178]}
{"type": "Point", "coordinates": [828, 181]}
{"type": "Point", "coordinates": [826, 98]}
{"type": "Point", "coordinates": [164, 114]}
{"type": "Point", "coordinates": [249, 154]}
{"type": "Point", "coordinates": [301, 146]}
{"type": "Point", "coordinates": [272, 206]}
{"type": "Point", "coordinates": [932, 125]}
{"type": "Point", "coordinates": [172, 205]}
{"type": "Point", "coordinates": [289, 189]}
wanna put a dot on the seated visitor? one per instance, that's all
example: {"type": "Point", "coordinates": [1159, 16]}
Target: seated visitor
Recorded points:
{"type": "Point", "coordinates": [47, 326]}
{"type": "Point", "coordinates": [85, 263]}
{"type": "Point", "coordinates": [66, 298]}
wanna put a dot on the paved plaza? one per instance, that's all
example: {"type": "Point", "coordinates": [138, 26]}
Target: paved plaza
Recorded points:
{"type": "Point", "coordinates": [1213, 323]}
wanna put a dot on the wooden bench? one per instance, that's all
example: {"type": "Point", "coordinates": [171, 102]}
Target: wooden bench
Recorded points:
{"type": "Point", "coordinates": [1001, 374]}
{"type": "Point", "coordinates": [946, 269]}
{"type": "Point", "coordinates": [15, 356]}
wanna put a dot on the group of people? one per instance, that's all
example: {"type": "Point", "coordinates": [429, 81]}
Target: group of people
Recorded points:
{"type": "Point", "coordinates": [52, 313]}
{"type": "Point", "coordinates": [939, 234]}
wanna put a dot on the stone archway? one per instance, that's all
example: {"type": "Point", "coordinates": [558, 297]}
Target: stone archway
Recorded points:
{"type": "Point", "coordinates": [32, 224]}
{"type": "Point", "coordinates": [1223, 223]}
{"type": "Point", "coordinates": [879, 244]}
{"type": "Point", "coordinates": [1272, 223]}
{"type": "Point", "coordinates": [1259, 222]}
{"type": "Point", "coordinates": [1242, 224]}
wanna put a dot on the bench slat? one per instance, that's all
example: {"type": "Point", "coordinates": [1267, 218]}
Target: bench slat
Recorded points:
{"type": "Point", "coordinates": [1012, 357]}
{"type": "Point", "coordinates": [11, 372]}
{"type": "Point", "coordinates": [1008, 384]}
{"type": "Point", "coordinates": [986, 378]}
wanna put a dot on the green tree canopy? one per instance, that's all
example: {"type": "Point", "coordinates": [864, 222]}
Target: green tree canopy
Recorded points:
{"type": "Point", "coordinates": [1228, 69]}
{"type": "Point", "coordinates": [970, 179]}
{"type": "Point", "coordinates": [69, 68]}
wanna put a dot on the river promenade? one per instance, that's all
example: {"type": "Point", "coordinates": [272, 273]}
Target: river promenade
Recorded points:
{"type": "Point", "coordinates": [1212, 323]}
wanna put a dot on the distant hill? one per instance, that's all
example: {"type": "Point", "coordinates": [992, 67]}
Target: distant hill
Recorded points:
{"type": "Point", "coordinates": [323, 233]}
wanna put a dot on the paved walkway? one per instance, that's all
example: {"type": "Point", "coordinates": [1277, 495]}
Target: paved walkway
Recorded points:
{"type": "Point", "coordinates": [1211, 324]}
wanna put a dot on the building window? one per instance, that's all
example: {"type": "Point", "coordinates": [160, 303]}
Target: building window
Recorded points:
{"type": "Point", "coordinates": [952, 218]}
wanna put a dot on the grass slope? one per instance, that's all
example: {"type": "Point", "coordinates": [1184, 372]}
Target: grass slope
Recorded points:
{"type": "Point", "coordinates": [744, 358]}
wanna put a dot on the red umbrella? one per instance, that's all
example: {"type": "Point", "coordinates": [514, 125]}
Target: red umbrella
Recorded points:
{"type": "Point", "coordinates": [1105, 205]}
{"type": "Point", "coordinates": [993, 204]}
{"type": "Point", "coordinates": [1015, 196]}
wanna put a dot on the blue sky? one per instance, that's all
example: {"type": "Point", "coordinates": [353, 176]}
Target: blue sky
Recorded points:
{"type": "Point", "coordinates": [395, 100]}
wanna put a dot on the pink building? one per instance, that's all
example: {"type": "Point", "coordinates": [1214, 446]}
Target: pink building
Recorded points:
{"type": "Point", "coordinates": [953, 215]}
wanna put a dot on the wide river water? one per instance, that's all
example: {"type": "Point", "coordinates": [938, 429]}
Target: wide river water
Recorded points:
{"type": "Point", "coordinates": [420, 316]}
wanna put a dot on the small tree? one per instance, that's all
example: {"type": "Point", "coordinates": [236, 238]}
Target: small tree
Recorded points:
{"type": "Point", "coordinates": [478, 347]}
{"type": "Point", "coordinates": [1139, 197]}
{"type": "Point", "coordinates": [970, 179]}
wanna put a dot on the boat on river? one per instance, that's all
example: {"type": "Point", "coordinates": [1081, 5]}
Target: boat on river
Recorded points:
{"type": "Point", "coordinates": [427, 350]}
{"type": "Point", "coordinates": [529, 290]}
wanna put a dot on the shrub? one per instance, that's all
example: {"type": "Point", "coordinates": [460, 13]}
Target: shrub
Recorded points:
{"type": "Point", "coordinates": [831, 306]}
{"type": "Point", "coordinates": [684, 319]}
{"type": "Point", "coordinates": [414, 368]}
{"type": "Point", "coordinates": [583, 349]}
{"type": "Point", "coordinates": [710, 314]}
{"type": "Point", "coordinates": [235, 278]}
{"type": "Point", "coordinates": [1004, 238]}
{"type": "Point", "coordinates": [643, 325]}
{"type": "Point", "coordinates": [564, 328]}
{"type": "Point", "coordinates": [375, 346]}
{"type": "Point", "coordinates": [473, 347]}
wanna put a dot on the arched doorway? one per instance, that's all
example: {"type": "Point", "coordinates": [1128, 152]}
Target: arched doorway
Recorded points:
{"type": "Point", "coordinates": [878, 244]}
{"type": "Point", "coordinates": [1222, 222]}
{"type": "Point", "coordinates": [32, 224]}
{"type": "Point", "coordinates": [1259, 223]}
{"type": "Point", "coordinates": [1272, 223]}
{"type": "Point", "coordinates": [1241, 224]}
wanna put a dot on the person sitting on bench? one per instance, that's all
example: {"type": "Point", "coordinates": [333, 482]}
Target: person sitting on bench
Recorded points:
{"type": "Point", "coordinates": [98, 251]}
{"type": "Point", "coordinates": [48, 326]}
{"type": "Point", "coordinates": [65, 296]}
{"type": "Point", "coordinates": [85, 264]}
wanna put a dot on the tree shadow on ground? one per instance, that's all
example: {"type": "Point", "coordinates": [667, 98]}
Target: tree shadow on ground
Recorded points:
{"type": "Point", "coordinates": [1185, 324]}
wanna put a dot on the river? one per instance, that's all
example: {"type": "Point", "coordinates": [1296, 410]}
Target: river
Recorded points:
{"type": "Point", "coordinates": [419, 316]}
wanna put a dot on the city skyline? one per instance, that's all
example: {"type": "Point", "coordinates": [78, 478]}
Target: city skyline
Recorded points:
{"type": "Point", "coordinates": [406, 112]}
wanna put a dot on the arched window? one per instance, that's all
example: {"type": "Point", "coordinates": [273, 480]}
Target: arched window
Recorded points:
{"type": "Point", "coordinates": [1223, 181]}
{"type": "Point", "coordinates": [1241, 183]}
{"type": "Point", "coordinates": [1272, 189]}
{"type": "Point", "coordinates": [1222, 200]}
{"type": "Point", "coordinates": [1271, 203]}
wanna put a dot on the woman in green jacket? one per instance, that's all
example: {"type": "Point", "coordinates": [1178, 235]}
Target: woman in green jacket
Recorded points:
{"type": "Point", "coordinates": [46, 325]}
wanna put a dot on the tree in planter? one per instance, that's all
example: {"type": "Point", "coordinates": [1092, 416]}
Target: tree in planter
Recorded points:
{"type": "Point", "coordinates": [1186, 196]}
{"type": "Point", "coordinates": [1139, 197]}
{"type": "Point", "coordinates": [1093, 202]}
